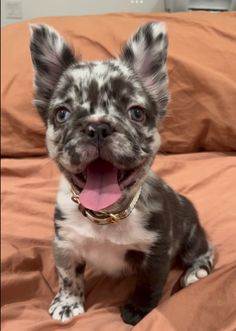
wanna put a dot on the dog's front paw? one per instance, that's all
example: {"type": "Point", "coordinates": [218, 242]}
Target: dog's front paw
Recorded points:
{"type": "Point", "coordinates": [64, 307]}
{"type": "Point", "coordinates": [131, 314]}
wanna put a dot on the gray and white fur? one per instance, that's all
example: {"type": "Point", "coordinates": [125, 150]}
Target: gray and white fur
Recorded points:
{"type": "Point", "coordinates": [110, 110]}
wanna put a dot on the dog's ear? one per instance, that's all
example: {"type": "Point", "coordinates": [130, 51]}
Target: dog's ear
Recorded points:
{"type": "Point", "coordinates": [50, 56]}
{"type": "Point", "coordinates": [146, 54]}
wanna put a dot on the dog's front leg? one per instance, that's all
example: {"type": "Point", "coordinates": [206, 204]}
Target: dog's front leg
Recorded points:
{"type": "Point", "coordinates": [151, 278]}
{"type": "Point", "coordinates": [69, 301]}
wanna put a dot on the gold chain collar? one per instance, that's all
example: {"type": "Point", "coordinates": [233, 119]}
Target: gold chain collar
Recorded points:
{"type": "Point", "coordinates": [103, 218]}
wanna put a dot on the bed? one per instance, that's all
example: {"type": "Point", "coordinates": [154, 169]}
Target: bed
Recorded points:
{"type": "Point", "coordinates": [197, 158]}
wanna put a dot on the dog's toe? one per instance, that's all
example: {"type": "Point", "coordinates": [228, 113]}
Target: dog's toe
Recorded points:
{"type": "Point", "coordinates": [193, 275]}
{"type": "Point", "coordinates": [63, 309]}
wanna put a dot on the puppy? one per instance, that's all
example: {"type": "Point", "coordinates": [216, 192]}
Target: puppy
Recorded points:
{"type": "Point", "coordinates": [111, 211]}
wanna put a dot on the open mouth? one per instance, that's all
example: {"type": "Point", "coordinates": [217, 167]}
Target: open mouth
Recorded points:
{"type": "Point", "coordinates": [102, 184]}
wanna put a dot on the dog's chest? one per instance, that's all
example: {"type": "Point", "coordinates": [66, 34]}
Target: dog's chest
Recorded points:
{"type": "Point", "coordinates": [104, 256]}
{"type": "Point", "coordinates": [105, 247]}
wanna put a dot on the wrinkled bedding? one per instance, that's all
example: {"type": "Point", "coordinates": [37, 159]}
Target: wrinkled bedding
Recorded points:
{"type": "Point", "coordinates": [201, 66]}
{"type": "Point", "coordinates": [198, 159]}
{"type": "Point", "coordinates": [29, 278]}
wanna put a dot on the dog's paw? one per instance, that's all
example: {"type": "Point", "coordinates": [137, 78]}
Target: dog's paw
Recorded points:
{"type": "Point", "coordinates": [132, 315]}
{"type": "Point", "coordinates": [64, 307]}
{"type": "Point", "coordinates": [192, 275]}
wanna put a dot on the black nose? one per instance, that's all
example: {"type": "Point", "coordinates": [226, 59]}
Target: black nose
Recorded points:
{"type": "Point", "coordinates": [98, 132]}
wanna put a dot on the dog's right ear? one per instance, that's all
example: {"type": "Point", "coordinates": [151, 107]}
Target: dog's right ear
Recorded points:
{"type": "Point", "coordinates": [51, 56]}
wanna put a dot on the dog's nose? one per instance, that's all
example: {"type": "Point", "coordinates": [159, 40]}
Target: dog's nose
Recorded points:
{"type": "Point", "coordinates": [98, 132]}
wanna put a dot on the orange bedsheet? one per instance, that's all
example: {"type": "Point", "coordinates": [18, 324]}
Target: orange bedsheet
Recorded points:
{"type": "Point", "coordinates": [201, 117]}
{"type": "Point", "coordinates": [29, 279]}
{"type": "Point", "coordinates": [201, 66]}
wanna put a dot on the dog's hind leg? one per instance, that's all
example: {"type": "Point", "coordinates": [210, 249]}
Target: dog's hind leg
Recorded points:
{"type": "Point", "coordinates": [197, 256]}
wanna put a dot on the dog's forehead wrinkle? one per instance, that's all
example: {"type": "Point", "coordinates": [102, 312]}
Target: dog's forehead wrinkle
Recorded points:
{"type": "Point", "coordinates": [63, 89]}
{"type": "Point", "coordinates": [122, 68]}
{"type": "Point", "coordinates": [68, 100]}
{"type": "Point", "coordinates": [99, 84]}
{"type": "Point", "coordinates": [104, 69]}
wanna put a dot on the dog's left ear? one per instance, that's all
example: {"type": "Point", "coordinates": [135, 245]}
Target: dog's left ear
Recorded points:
{"type": "Point", "coordinates": [51, 56]}
{"type": "Point", "coordinates": [146, 54]}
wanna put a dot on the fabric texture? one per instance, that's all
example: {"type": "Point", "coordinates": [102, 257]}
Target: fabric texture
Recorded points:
{"type": "Point", "coordinates": [201, 124]}
{"type": "Point", "coordinates": [29, 279]}
{"type": "Point", "coordinates": [201, 65]}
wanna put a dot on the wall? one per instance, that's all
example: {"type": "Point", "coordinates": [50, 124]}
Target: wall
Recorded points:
{"type": "Point", "coordinates": [34, 8]}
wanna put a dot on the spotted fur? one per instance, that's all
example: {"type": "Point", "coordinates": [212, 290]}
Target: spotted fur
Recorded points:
{"type": "Point", "coordinates": [163, 224]}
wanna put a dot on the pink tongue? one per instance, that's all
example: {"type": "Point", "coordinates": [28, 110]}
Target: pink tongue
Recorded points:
{"type": "Point", "coordinates": [101, 189]}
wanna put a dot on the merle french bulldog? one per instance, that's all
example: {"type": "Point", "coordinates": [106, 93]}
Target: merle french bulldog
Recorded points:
{"type": "Point", "coordinates": [112, 212]}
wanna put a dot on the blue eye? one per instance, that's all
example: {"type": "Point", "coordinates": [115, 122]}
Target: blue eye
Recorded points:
{"type": "Point", "coordinates": [137, 114]}
{"type": "Point", "coordinates": [62, 115]}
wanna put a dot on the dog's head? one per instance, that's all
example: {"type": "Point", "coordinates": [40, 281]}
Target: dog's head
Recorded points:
{"type": "Point", "coordinates": [102, 117]}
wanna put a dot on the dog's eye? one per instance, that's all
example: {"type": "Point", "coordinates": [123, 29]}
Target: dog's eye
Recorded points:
{"type": "Point", "coordinates": [137, 114]}
{"type": "Point", "coordinates": [62, 115]}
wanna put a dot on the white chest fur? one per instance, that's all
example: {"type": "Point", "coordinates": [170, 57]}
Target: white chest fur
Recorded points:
{"type": "Point", "coordinates": [103, 246]}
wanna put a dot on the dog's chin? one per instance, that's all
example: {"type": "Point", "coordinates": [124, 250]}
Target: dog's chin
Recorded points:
{"type": "Point", "coordinates": [110, 183]}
